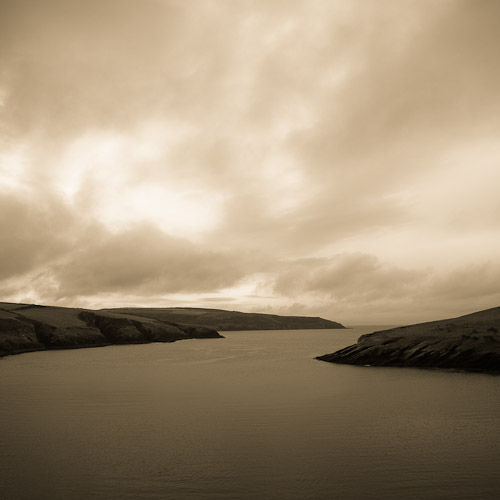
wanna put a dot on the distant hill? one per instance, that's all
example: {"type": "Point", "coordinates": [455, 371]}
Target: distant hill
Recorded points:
{"type": "Point", "coordinates": [469, 343]}
{"type": "Point", "coordinates": [29, 327]}
{"type": "Point", "coordinates": [229, 320]}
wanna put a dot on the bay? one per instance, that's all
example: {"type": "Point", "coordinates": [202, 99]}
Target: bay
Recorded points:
{"type": "Point", "coordinates": [250, 416]}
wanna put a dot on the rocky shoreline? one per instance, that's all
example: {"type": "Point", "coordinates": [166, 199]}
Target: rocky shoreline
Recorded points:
{"type": "Point", "coordinates": [467, 343]}
{"type": "Point", "coordinates": [28, 328]}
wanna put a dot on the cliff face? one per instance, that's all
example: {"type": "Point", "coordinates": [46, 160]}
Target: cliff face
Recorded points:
{"type": "Point", "coordinates": [469, 343]}
{"type": "Point", "coordinates": [26, 327]}
{"type": "Point", "coordinates": [230, 320]}
{"type": "Point", "coordinates": [17, 336]}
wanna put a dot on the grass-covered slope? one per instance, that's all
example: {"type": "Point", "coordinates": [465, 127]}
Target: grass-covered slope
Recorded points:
{"type": "Point", "coordinates": [28, 327]}
{"type": "Point", "coordinates": [469, 343]}
{"type": "Point", "coordinates": [230, 320]}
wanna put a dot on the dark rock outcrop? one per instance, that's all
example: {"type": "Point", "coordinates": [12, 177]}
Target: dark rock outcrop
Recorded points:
{"type": "Point", "coordinates": [120, 329]}
{"type": "Point", "coordinates": [221, 320]}
{"type": "Point", "coordinates": [28, 327]}
{"type": "Point", "coordinates": [468, 343]}
{"type": "Point", "coordinates": [17, 336]}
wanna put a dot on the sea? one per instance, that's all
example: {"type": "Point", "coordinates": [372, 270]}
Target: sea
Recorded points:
{"type": "Point", "coordinates": [252, 416]}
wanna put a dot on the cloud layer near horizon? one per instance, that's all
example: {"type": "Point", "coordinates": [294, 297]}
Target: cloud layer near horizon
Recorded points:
{"type": "Point", "coordinates": [304, 157]}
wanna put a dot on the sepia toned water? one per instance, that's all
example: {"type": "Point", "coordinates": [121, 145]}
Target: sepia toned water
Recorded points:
{"type": "Point", "coordinates": [251, 416]}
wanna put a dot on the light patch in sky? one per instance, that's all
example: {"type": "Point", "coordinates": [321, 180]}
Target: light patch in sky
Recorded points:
{"type": "Point", "coordinates": [248, 292]}
{"type": "Point", "coordinates": [116, 157]}
{"type": "Point", "coordinates": [13, 162]}
{"type": "Point", "coordinates": [462, 193]}
{"type": "Point", "coordinates": [3, 96]}
{"type": "Point", "coordinates": [95, 156]}
{"type": "Point", "coordinates": [184, 214]}
{"type": "Point", "coordinates": [102, 171]}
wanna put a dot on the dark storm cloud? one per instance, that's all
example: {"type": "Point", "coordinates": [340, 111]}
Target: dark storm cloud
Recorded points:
{"type": "Point", "coordinates": [34, 230]}
{"type": "Point", "coordinates": [346, 277]}
{"type": "Point", "coordinates": [143, 259]}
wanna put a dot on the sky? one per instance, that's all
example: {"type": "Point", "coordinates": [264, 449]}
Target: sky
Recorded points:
{"type": "Point", "coordinates": [334, 158]}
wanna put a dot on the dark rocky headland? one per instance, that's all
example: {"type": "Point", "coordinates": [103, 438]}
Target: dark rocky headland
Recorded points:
{"type": "Point", "coordinates": [466, 343]}
{"type": "Point", "coordinates": [28, 327]}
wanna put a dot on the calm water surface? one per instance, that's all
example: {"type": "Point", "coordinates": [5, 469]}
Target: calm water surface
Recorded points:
{"type": "Point", "coordinates": [251, 416]}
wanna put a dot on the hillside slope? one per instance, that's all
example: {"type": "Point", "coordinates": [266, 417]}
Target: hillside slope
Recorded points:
{"type": "Point", "coordinates": [229, 320]}
{"type": "Point", "coordinates": [29, 327]}
{"type": "Point", "coordinates": [469, 343]}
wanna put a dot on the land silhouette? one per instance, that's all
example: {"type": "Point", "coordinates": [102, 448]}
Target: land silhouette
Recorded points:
{"type": "Point", "coordinates": [222, 320]}
{"type": "Point", "coordinates": [31, 327]}
{"type": "Point", "coordinates": [467, 343]}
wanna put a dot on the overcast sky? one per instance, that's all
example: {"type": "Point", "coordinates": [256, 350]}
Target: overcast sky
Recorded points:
{"type": "Point", "coordinates": [323, 157]}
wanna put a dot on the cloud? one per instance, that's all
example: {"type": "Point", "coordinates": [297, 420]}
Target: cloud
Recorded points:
{"type": "Point", "coordinates": [346, 277]}
{"type": "Point", "coordinates": [144, 260]}
{"type": "Point", "coordinates": [329, 152]}
{"type": "Point", "coordinates": [59, 256]}
{"type": "Point", "coordinates": [70, 65]}
{"type": "Point", "coordinates": [418, 70]}
{"type": "Point", "coordinates": [360, 287]}
{"type": "Point", "coordinates": [35, 230]}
